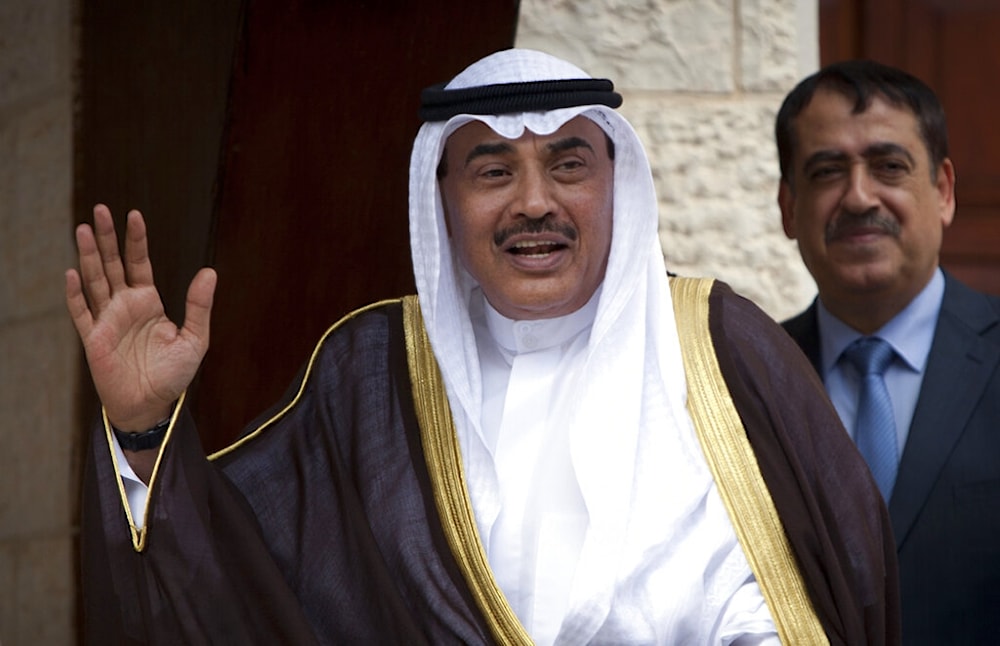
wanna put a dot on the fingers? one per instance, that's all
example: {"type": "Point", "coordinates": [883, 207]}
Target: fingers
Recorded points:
{"type": "Point", "coordinates": [101, 266]}
{"type": "Point", "coordinates": [138, 268]}
{"type": "Point", "coordinates": [93, 280]}
{"type": "Point", "coordinates": [107, 246]}
{"type": "Point", "coordinates": [198, 308]}
{"type": "Point", "coordinates": [76, 303]}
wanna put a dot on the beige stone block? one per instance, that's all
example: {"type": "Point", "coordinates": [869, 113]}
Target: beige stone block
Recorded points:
{"type": "Point", "coordinates": [8, 592]}
{"type": "Point", "coordinates": [716, 175]}
{"type": "Point", "coordinates": [36, 242]}
{"type": "Point", "coordinates": [45, 597]}
{"type": "Point", "coordinates": [667, 45]}
{"type": "Point", "coordinates": [8, 175]}
{"type": "Point", "coordinates": [39, 435]}
{"type": "Point", "coordinates": [769, 42]}
{"type": "Point", "coordinates": [34, 49]}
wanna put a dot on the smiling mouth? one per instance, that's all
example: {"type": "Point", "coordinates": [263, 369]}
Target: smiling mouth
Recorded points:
{"type": "Point", "coordinates": [534, 249]}
{"type": "Point", "coordinates": [856, 233]}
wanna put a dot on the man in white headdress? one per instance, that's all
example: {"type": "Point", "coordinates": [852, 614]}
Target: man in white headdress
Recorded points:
{"type": "Point", "coordinates": [553, 442]}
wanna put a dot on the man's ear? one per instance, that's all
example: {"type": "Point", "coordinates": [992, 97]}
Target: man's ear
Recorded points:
{"type": "Point", "coordinates": [786, 202]}
{"type": "Point", "coordinates": [946, 191]}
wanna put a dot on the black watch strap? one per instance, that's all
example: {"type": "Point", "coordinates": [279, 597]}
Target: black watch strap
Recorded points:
{"type": "Point", "coordinates": [143, 440]}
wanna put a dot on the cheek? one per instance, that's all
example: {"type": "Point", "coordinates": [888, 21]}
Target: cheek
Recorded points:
{"type": "Point", "coordinates": [455, 215]}
{"type": "Point", "coordinates": [458, 234]}
{"type": "Point", "coordinates": [599, 223]}
{"type": "Point", "coordinates": [606, 232]}
{"type": "Point", "coordinates": [811, 214]}
{"type": "Point", "coordinates": [471, 237]}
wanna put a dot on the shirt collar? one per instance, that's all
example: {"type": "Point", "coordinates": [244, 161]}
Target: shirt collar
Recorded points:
{"type": "Point", "coordinates": [528, 336]}
{"type": "Point", "coordinates": [910, 332]}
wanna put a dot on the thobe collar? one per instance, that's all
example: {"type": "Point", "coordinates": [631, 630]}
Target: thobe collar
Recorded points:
{"type": "Point", "coordinates": [518, 336]}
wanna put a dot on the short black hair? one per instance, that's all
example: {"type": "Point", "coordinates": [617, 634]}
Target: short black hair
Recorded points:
{"type": "Point", "coordinates": [862, 81]}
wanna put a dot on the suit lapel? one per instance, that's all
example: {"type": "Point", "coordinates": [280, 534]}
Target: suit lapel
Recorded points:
{"type": "Point", "coordinates": [804, 328]}
{"type": "Point", "coordinates": [958, 369]}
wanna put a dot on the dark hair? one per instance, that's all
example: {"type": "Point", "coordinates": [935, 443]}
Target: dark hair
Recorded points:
{"type": "Point", "coordinates": [862, 81]}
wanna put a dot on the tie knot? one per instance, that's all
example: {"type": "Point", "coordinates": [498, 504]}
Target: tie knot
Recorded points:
{"type": "Point", "coordinates": [870, 355]}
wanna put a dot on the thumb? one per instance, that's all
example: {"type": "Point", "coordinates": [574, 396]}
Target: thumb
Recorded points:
{"type": "Point", "coordinates": [198, 307]}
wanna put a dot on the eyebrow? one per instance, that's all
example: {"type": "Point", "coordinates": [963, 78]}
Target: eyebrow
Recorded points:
{"type": "Point", "coordinates": [501, 147]}
{"type": "Point", "coordinates": [884, 149]}
{"type": "Point", "coordinates": [881, 149]}
{"type": "Point", "coordinates": [569, 143]}
{"type": "Point", "coordinates": [481, 150]}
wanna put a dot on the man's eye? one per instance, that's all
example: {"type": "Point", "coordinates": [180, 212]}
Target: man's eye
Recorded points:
{"type": "Point", "coordinates": [891, 166]}
{"type": "Point", "coordinates": [568, 166]}
{"type": "Point", "coordinates": [824, 172]}
{"type": "Point", "coordinates": [493, 172]}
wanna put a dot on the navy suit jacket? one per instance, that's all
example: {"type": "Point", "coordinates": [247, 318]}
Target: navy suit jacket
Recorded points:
{"type": "Point", "coordinates": [945, 507]}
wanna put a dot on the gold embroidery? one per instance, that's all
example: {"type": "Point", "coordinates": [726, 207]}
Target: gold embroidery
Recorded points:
{"type": "Point", "coordinates": [139, 533]}
{"type": "Point", "coordinates": [736, 473]}
{"type": "Point", "coordinates": [444, 462]}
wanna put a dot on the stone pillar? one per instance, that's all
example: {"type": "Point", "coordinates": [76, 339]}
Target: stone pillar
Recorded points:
{"type": "Point", "coordinates": [39, 438]}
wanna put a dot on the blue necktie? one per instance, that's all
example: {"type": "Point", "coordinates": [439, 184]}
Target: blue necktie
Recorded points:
{"type": "Point", "coordinates": [875, 428]}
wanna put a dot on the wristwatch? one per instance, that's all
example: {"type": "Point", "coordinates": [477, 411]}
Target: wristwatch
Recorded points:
{"type": "Point", "coordinates": [143, 440]}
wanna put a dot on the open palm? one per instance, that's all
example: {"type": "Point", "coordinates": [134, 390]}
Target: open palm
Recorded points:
{"type": "Point", "coordinates": [139, 359]}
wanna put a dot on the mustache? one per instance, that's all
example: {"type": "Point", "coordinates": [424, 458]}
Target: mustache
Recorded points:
{"type": "Point", "coordinates": [540, 225]}
{"type": "Point", "coordinates": [847, 222]}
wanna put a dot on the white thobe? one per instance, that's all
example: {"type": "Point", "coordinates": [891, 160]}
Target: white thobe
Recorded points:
{"type": "Point", "coordinates": [701, 584]}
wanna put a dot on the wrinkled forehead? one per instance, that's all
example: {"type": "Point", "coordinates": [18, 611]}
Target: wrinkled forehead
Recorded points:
{"type": "Point", "coordinates": [474, 140]}
{"type": "Point", "coordinates": [513, 126]}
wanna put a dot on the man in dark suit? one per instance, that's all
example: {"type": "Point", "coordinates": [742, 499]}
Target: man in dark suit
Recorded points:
{"type": "Point", "coordinates": [866, 190]}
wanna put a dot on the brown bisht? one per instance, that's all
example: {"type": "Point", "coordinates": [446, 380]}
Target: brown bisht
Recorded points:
{"type": "Point", "coordinates": [322, 524]}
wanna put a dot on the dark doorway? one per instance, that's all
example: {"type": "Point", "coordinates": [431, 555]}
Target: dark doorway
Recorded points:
{"type": "Point", "coordinates": [270, 140]}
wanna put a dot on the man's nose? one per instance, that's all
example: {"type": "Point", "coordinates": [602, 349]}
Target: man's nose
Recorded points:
{"type": "Point", "coordinates": [861, 192]}
{"type": "Point", "coordinates": [535, 195]}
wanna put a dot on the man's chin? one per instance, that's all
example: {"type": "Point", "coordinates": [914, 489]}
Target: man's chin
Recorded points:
{"type": "Point", "coordinates": [534, 305]}
{"type": "Point", "coordinates": [866, 280]}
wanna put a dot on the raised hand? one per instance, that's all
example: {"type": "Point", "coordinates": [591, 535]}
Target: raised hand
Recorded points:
{"type": "Point", "coordinates": [139, 359]}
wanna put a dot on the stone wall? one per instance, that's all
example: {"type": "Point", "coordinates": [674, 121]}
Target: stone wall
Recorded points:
{"type": "Point", "coordinates": [702, 81]}
{"type": "Point", "coordinates": [38, 348]}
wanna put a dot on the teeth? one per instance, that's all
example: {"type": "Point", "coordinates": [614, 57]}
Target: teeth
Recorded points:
{"type": "Point", "coordinates": [533, 248]}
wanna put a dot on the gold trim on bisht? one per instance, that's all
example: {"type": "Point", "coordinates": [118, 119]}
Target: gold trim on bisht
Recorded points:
{"type": "Point", "coordinates": [305, 378]}
{"type": "Point", "coordinates": [736, 473]}
{"type": "Point", "coordinates": [444, 463]}
{"type": "Point", "coordinates": [139, 534]}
